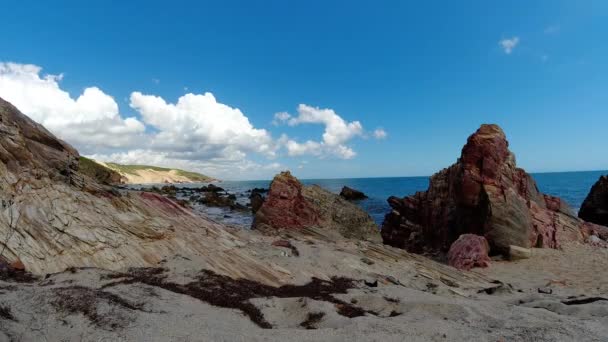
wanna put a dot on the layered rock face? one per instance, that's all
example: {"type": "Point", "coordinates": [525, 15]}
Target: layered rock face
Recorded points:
{"type": "Point", "coordinates": [595, 206]}
{"type": "Point", "coordinates": [485, 194]}
{"type": "Point", "coordinates": [53, 216]}
{"type": "Point", "coordinates": [290, 205]}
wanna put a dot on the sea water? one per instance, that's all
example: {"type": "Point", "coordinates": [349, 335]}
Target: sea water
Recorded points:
{"type": "Point", "coordinates": [573, 187]}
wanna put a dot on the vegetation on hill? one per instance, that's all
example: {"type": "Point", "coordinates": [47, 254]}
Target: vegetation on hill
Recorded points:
{"type": "Point", "coordinates": [99, 172]}
{"type": "Point", "coordinates": [134, 170]}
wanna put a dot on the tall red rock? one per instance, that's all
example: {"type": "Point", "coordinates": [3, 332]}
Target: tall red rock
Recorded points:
{"type": "Point", "coordinates": [483, 193]}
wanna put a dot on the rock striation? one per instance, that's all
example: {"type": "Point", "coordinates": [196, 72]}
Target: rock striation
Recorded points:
{"type": "Point", "coordinates": [54, 216]}
{"type": "Point", "coordinates": [290, 205]}
{"type": "Point", "coordinates": [595, 206]}
{"type": "Point", "coordinates": [483, 193]}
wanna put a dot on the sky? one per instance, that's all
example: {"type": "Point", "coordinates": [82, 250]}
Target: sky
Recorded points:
{"type": "Point", "coordinates": [326, 89]}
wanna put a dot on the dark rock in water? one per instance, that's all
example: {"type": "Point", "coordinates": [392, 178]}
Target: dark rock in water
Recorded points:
{"type": "Point", "coordinates": [485, 194]}
{"type": "Point", "coordinates": [256, 201]}
{"type": "Point", "coordinates": [211, 188]}
{"type": "Point", "coordinates": [258, 190]}
{"type": "Point", "coordinates": [213, 199]}
{"type": "Point", "coordinates": [352, 194]}
{"type": "Point", "coordinates": [170, 190]}
{"type": "Point", "coordinates": [232, 197]}
{"type": "Point", "coordinates": [595, 206]}
{"type": "Point", "coordinates": [469, 251]}
{"type": "Point", "coordinates": [290, 205]}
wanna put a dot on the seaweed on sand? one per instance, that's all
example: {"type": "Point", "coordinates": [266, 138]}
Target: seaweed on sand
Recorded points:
{"type": "Point", "coordinates": [223, 291]}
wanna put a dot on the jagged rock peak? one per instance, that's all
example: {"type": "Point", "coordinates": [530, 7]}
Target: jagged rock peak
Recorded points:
{"type": "Point", "coordinates": [483, 193]}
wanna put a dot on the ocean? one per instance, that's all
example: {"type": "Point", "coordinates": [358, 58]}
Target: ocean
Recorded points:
{"type": "Point", "coordinates": [573, 187]}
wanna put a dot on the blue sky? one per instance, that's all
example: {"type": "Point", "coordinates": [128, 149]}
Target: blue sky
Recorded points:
{"type": "Point", "coordinates": [427, 73]}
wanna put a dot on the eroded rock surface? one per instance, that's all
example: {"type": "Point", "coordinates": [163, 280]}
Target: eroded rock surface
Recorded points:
{"type": "Point", "coordinates": [53, 216]}
{"type": "Point", "coordinates": [469, 251]}
{"type": "Point", "coordinates": [290, 205]}
{"type": "Point", "coordinates": [483, 193]}
{"type": "Point", "coordinates": [595, 206]}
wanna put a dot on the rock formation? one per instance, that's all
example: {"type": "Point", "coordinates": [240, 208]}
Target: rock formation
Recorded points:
{"type": "Point", "coordinates": [53, 216]}
{"type": "Point", "coordinates": [290, 205]}
{"type": "Point", "coordinates": [469, 251]}
{"type": "Point", "coordinates": [485, 194]}
{"type": "Point", "coordinates": [595, 206]}
{"type": "Point", "coordinates": [351, 194]}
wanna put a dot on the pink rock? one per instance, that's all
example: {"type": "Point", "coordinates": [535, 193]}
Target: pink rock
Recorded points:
{"type": "Point", "coordinates": [285, 207]}
{"type": "Point", "coordinates": [483, 193]}
{"type": "Point", "coordinates": [469, 251]}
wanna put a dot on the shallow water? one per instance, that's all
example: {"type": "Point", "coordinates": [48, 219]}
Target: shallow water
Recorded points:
{"type": "Point", "coordinates": [573, 187]}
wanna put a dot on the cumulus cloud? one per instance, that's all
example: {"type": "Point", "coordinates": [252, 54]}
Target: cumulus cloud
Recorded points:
{"type": "Point", "coordinates": [196, 132]}
{"type": "Point", "coordinates": [380, 133]}
{"type": "Point", "coordinates": [280, 118]}
{"type": "Point", "coordinates": [198, 126]}
{"type": "Point", "coordinates": [508, 45]}
{"type": "Point", "coordinates": [91, 119]}
{"type": "Point", "coordinates": [335, 136]}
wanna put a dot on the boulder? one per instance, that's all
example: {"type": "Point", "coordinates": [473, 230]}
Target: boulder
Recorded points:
{"type": "Point", "coordinates": [256, 200]}
{"type": "Point", "coordinates": [215, 199]}
{"type": "Point", "coordinates": [351, 194]}
{"type": "Point", "coordinates": [469, 251]}
{"type": "Point", "coordinates": [290, 205]}
{"type": "Point", "coordinates": [483, 193]}
{"type": "Point", "coordinates": [518, 253]}
{"type": "Point", "coordinates": [595, 205]}
{"type": "Point", "coordinates": [285, 206]}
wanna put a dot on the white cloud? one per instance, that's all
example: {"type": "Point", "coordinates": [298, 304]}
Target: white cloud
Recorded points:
{"type": "Point", "coordinates": [380, 133]}
{"type": "Point", "coordinates": [196, 133]}
{"type": "Point", "coordinates": [280, 118]}
{"type": "Point", "coordinates": [337, 131]}
{"type": "Point", "coordinates": [198, 126]}
{"type": "Point", "coordinates": [335, 136]}
{"type": "Point", "coordinates": [508, 45]}
{"type": "Point", "coordinates": [91, 119]}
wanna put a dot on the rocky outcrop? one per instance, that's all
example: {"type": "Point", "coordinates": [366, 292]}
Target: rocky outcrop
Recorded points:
{"type": "Point", "coordinates": [290, 205]}
{"type": "Point", "coordinates": [285, 207]}
{"type": "Point", "coordinates": [485, 194]}
{"type": "Point", "coordinates": [469, 251]}
{"type": "Point", "coordinates": [595, 206]}
{"type": "Point", "coordinates": [53, 216]}
{"type": "Point", "coordinates": [351, 194]}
